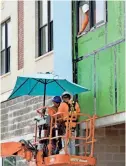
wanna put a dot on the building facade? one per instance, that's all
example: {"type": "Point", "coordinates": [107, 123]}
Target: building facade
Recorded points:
{"type": "Point", "coordinates": [28, 42]}
{"type": "Point", "coordinates": [41, 36]}
{"type": "Point", "coordinates": [99, 64]}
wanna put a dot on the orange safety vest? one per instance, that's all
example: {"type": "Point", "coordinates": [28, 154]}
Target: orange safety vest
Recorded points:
{"type": "Point", "coordinates": [66, 108]}
{"type": "Point", "coordinates": [52, 110]}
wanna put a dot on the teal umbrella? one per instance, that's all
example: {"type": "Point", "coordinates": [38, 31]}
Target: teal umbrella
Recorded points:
{"type": "Point", "coordinates": [44, 84]}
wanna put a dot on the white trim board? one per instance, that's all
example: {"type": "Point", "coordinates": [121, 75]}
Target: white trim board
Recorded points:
{"type": "Point", "coordinates": [109, 120]}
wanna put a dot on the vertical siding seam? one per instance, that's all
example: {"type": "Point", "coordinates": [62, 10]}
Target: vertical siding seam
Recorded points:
{"type": "Point", "coordinates": [115, 76]}
{"type": "Point", "coordinates": [94, 83]}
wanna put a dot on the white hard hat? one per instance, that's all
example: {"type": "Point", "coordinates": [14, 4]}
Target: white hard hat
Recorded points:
{"type": "Point", "coordinates": [85, 8]}
{"type": "Point", "coordinates": [66, 93]}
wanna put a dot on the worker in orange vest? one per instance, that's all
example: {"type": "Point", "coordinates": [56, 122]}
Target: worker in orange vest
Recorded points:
{"type": "Point", "coordinates": [53, 109]}
{"type": "Point", "coordinates": [56, 103]}
{"type": "Point", "coordinates": [50, 111]}
{"type": "Point", "coordinates": [68, 106]}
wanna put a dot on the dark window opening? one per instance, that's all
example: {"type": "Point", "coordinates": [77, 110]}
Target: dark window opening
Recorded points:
{"type": "Point", "coordinates": [5, 46]}
{"type": "Point", "coordinates": [45, 17]}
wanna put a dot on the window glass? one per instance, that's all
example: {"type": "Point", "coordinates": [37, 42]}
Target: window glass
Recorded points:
{"type": "Point", "coordinates": [92, 14]}
{"type": "Point", "coordinates": [44, 40]}
{"type": "Point", "coordinates": [46, 26]}
{"type": "Point", "coordinates": [2, 63]}
{"type": "Point", "coordinates": [3, 37]}
{"type": "Point", "coordinates": [51, 24]}
{"type": "Point", "coordinates": [51, 10]}
{"type": "Point", "coordinates": [100, 11]}
{"type": "Point", "coordinates": [8, 59]}
{"type": "Point", "coordinates": [43, 12]}
{"type": "Point", "coordinates": [5, 47]}
{"type": "Point", "coordinates": [9, 33]}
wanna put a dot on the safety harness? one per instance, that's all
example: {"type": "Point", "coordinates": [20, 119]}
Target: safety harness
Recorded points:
{"type": "Point", "coordinates": [72, 110]}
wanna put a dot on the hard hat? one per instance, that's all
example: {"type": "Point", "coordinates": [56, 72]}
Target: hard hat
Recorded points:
{"type": "Point", "coordinates": [66, 94]}
{"type": "Point", "coordinates": [85, 8]}
{"type": "Point", "coordinates": [56, 99]}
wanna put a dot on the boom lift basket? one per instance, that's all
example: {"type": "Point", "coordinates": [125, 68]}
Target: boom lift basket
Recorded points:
{"type": "Point", "coordinates": [84, 141]}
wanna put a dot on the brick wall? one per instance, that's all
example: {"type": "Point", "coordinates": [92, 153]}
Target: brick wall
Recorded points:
{"type": "Point", "coordinates": [20, 34]}
{"type": "Point", "coordinates": [110, 146]}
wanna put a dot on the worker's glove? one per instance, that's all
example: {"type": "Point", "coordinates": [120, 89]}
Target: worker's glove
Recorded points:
{"type": "Point", "coordinates": [37, 118]}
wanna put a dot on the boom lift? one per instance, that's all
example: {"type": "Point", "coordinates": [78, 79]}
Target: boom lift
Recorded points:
{"type": "Point", "coordinates": [51, 149]}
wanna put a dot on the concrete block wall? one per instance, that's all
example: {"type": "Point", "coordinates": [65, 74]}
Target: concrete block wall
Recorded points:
{"type": "Point", "coordinates": [17, 116]}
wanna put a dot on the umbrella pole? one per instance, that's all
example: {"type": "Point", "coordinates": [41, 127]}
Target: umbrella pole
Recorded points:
{"type": "Point", "coordinates": [44, 93]}
{"type": "Point", "coordinates": [44, 100]}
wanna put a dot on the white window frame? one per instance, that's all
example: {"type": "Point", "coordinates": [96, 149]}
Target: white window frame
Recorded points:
{"type": "Point", "coordinates": [48, 25]}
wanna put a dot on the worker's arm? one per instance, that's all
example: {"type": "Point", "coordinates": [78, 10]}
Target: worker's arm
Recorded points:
{"type": "Point", "coordinates": [85, 23]}
{"type": "Point", "coordinates": [42, 112]}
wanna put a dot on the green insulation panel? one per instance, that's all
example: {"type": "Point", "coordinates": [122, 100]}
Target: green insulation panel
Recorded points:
{"type": "Point", "coordinates": [91, 41]}
{"type": "Point", "coordinates": [104, 72]}
{"type": "Point", "coordinates": [85, 44]}
{"type": "Point", "coordinates": [105, 84]}
{"type": "Point", "coordinates": [120, 61]}
{"type": "Point", "coordinates": [99, 38]}
{"type": "Point", "coordinates": [115, 25]}
{"type": "Point", "coordinates": [86, 79]}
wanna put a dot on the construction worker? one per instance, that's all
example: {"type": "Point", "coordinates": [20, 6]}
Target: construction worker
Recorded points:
{"type": "Point", "coordinates": [69, 106]}
{"type": "Point", "coordinates": [44, 123]}
{"type": "Point", "coordinates": [56, 103]}
{"type": "Point", "coordinates": [53, 109]}
{"type": "Point", "coordinates": [50, 111]}
{"type": "Point", "coordinates": [85, 24]}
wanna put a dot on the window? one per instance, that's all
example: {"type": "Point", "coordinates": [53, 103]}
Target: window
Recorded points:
{"type": "Point", "coordinates": [5, 46]}
{"type": "Point", "coordinates": [97, 13]}
{"type": "Point", "coordinates": [45, 10]}
{"type": "Point", "coordinates": [9, 161]}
